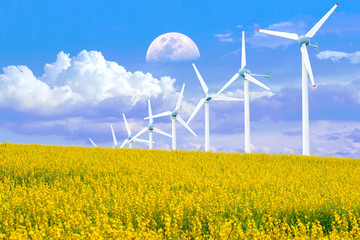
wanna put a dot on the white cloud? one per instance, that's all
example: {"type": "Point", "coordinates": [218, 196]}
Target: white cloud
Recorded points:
{"type": "Point", "coordinates": [224, 37]}
{"type": "Point", "coordinates": [220, 35]}
{"type": "Point", "coordinates": [21, 90]}
{"type": "Point", "coordinates": [336, 56]}
{"type": "Point", "coordinates": [84, 79]}
{"type": "Point", "coordinates": [252, 95]}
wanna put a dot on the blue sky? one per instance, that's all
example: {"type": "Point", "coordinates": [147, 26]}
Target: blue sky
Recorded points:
{"type": "Point", "coordinates": [37, 108]}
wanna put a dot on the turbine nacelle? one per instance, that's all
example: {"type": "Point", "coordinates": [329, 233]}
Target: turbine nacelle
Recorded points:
{"type": "Point", "coordinates": [150, 127]}
{"type": "Point", "coordinates": [174, 113]}
{"type": "Point", "coordinates": [304, 40]}
{"type": "Point", "coordinates": [242, 72]}
{"type": "Point", "coordinates": [129, 137]}
{"type": "Point", "coordinates": [207, 97]}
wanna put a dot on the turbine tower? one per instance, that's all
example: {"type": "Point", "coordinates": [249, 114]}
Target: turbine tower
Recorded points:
{"type": "Point", "coordinates": [247, 76]}
{"type": "Point", "coordinates": [151, 128]}
{"type": "Point", "coordinates": [206, 100]}
{"type": "Point", "coordinates": [306, 69]}
{"type": "Point", "coordinates": [175, 116]}
{"type": "Point", "coordinates": [130, 139]}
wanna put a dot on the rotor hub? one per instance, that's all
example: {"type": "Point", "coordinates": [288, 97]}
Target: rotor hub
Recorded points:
{"type": "Point", "coordinates": [242, 72]}
{"type": "Point", "coordinates": [207, 98]}
{"type": "Point", "coordinates": [129, 137]}
{"type": "Point", "coordinates": [150, 127]}
{"type": "Point", "coordinates": [174, 113]}
{"type": "Point", "coordinates": [303, 39]}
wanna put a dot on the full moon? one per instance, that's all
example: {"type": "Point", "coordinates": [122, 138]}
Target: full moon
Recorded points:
{"type": "Point", "coordinates": [171, 47]}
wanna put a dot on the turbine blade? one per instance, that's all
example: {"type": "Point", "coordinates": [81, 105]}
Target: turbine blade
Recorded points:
{"type": "Point", "coordinates": [139, 133]}
{"type": "Point", "coordinates": [201, 102]}
{"type": "Point", "coordinates": [267, 75]}
{"type": "Point", "coordinates": [113, 134]}
{"type": "Point", "coordinates": [251, 79]}
{"type": "Point", "coordinates": [167, 113]}
{"type": "Point", "coordinates": [178, 104]}
{"type": "Point", "coordinates": [127, 126]}
{"type": "Point", "coordinates": [243, 56]}
{"type": "Point", "coordinates": [312, 31]}
{"type": "Point", "coordinates": [305, 57]}
{"type": "Point", "coordinates": [228, 83]}
{"type": "Point", "coordinates": [293, 36]}
{"type": "Point", "coordinates": [92, 142]}
{"type": "Point", "coordinates": [141, 140]}
{"type": "Point", "coordinates": [185, 125]}
{"type": "Point", "coordinates": [161, 132]}
{"type": "Point", "coordinates": [224, 98]}
{"type": "Point", "coordinates": [150, 112]}
{"type": "Point", "coordinates": [124, 142]}
{"type": "Point", "coordinates": [202, 82]}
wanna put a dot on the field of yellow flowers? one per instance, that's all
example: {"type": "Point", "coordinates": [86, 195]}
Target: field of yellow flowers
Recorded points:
{"type": "Point", "coordinates": [52, 192]}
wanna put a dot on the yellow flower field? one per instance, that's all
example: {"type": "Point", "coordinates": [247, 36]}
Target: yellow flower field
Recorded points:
{"type": "Point", "coordinates": [52, 192]}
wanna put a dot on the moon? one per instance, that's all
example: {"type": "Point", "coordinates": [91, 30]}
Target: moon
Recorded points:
{"type": "Point", "coordinates": [172, 47]}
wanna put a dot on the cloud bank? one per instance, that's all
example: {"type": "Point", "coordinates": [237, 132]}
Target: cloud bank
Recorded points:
{"type": "Point", "coordinates": [83, 79]}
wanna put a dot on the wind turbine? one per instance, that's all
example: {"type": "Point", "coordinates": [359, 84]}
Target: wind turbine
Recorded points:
{"type": "Point", "coordinates": [151, 128]}
{"type": "Point", "coordinates": [206, 100]}
{"type": "Point", "coordinates": [130, 139]}
{"type": "Point", "coordinates": [114, 138]}
{"type": "Point", "coordinates": [304, 41]}
{"type": "Point", "coordinates": [247, 76]}
{"type": "Point", "coordinates": [175, 116]}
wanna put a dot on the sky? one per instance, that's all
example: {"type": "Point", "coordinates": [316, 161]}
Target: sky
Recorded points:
{"type": "Point", "coordinates": [69, 69]}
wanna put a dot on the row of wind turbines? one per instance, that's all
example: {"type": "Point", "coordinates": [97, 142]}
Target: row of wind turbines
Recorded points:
{"type": "Point", "coordinates": [247, 76]}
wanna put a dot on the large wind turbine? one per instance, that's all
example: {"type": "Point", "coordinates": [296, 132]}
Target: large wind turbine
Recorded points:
{"type": "Point", "coordinates": [130, 139]}
{"type": "Point", "coordinates": [247, 76]}
{"type": "Point", "coordinates": [175, 116]}
{"type": "Point", "coordinates": [151, 128]}
{"type": "Point", "coordinates": [306, 69]}
{"type": "Point", "coordinates": [206, 100]}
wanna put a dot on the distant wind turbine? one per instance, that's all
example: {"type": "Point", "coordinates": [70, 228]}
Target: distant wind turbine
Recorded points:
{"type": "Point", "coordinates": [113, 135]}
{"type": "Point", "coordinates": [130, 139]}
{"type": "Point", "coordinates": [247, 77]}
{"type": "Point", "coordinates": [175, 116]}
{"type": "Point", "coordinates": [151, 128]}
{"type": "Point", "coordinates": [206, 100]}
{"type": "Point", "coordinates": [304, 41]}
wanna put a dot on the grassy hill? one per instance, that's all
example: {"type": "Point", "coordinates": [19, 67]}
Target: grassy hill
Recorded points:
{"type": "Point", "coordinates": [58, 192]}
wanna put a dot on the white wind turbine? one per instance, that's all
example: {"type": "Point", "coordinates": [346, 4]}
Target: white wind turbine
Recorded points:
{"type": "Point", "coordinates": [247, 77]}
{"type": "Point", "coordinates": [175, 116]}
{"type": "Point", "coordinates": [306, 69]}
{"type": "Point", "coordinates": [114, 138]}
{"type": "Point", "coordinates": [206, 100]}
{"type": "Point", "coordinates": [151, 128]}
{"type": "Point", "coordinates": [130, 139]}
